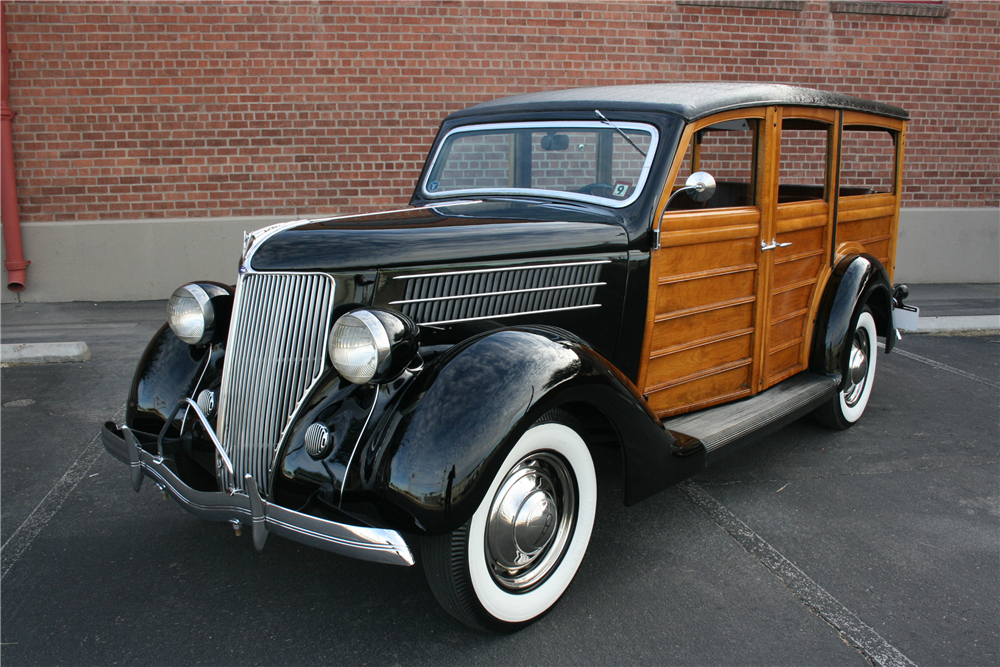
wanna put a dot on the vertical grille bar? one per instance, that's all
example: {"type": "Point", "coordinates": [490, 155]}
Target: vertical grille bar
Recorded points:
{"type": "Point", "coordinates": [275, 353]}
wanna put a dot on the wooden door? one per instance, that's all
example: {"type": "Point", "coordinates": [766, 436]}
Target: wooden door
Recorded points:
{"type": "Point", "coordinates": [797, 260]}
{"type": "Point", "coordinates": [702, 317]}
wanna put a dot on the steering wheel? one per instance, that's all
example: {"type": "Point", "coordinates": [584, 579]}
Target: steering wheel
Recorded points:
{"type": "Point", "coordinates": [590, 187]}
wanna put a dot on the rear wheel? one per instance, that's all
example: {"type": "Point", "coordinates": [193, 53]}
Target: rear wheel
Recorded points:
{"type": "Point", "coordinates": [844, 409]}
{"type": "Point", "coordinates": [515, 558]}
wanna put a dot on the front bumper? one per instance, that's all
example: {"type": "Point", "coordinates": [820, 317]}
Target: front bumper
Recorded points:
{"type": "Point", "coordinates": [362, 542]}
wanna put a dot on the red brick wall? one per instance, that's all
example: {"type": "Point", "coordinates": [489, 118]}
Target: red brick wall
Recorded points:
{"type": "Point", "coordinates": [129, 110]}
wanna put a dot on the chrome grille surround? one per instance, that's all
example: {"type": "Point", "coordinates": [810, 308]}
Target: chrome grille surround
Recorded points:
{"type": "Point", "coordinates": [460, 296]}
{"type": "Point", "coordinates": [275, 353]}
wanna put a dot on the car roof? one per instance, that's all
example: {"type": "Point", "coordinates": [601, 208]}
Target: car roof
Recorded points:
{"type": "Point", "coordinates": [690, 101]}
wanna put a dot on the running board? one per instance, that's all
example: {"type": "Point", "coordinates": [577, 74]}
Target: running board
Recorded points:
{"type": "Point", "coordinates": [723, 429]}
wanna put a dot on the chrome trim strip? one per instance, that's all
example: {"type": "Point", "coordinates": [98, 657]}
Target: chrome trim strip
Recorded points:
{"type": "Point", "coordinates": [496, 317]}
{"type": "Point", "coordinates": [194, 394]}
{"type": "Point", "coordinates": [372, 544]}
{"type": "Point", "coordinates": [503, 268]}
{"type": "Point", "coordinates": [476, 295]}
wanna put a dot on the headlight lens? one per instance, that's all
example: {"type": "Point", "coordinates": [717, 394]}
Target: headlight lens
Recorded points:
{"type": "Point", "coordinates": [358, 346]}
{"type": "Point", "coordinates": [190, 314]}
{"type": "Point", "coordinates": [373, 345]}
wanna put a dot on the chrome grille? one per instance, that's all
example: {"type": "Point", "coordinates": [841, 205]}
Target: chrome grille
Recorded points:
{"type": "Point", "coordinates": [444, 298]}
{"type": "Point", "coordinates": [276, 352]}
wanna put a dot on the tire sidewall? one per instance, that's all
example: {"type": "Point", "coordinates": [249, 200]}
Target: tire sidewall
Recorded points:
{"type": "Point", "coordinates": [852, 414]}
{"type": "Point", "coordinates": [518, 608]}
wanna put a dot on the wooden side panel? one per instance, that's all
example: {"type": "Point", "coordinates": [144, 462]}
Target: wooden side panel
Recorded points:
{"type": "Point", "coordinates": [703, 329]}
{"type": "Point", "coordinates": [794, 282]}
{"type": "Point", "coordinates": [869, 220]}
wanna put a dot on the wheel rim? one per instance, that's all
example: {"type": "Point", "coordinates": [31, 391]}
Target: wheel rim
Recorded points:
{"type": "Point", "coordinates": [857, 371]}
{"type": "Point", "coordinates": [530, 521]}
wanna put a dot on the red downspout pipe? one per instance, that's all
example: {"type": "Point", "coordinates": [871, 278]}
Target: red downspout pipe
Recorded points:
{"type": "Point", "coordinates": [15, 263]}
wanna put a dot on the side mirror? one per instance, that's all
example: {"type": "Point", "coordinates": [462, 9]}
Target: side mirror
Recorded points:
{"type": "Point", "coordinates": [700, 186]}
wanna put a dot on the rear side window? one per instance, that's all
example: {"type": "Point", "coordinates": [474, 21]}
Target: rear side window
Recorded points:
{"type": "Point", "coordinates": [804, 159]}
{"type": "Point", "coordinates": [867, 161]}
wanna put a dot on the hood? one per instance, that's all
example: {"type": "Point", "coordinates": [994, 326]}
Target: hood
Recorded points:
{"type": "Point", "coordinates": [456, 232]}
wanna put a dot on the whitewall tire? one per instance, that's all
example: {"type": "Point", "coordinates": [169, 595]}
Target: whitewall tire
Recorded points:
{"type": "Point", "coordinates": [849, 404]}
{"type": "Point", "coordinates": [515, 558]}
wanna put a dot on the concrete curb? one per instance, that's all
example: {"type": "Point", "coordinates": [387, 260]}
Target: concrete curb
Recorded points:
{"type": "Point", "coordinates": [43, 353]}
{"type": "Point", "coordinates": [965, 323]}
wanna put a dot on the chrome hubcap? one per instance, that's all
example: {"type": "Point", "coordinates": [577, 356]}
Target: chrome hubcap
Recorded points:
{"type": "Point", "coordinates": [530, 521]}
{"type": "Point", "coordinates": [857, 372]}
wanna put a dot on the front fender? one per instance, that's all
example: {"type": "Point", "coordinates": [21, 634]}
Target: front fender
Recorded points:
{"type": "Point", "coordinates": [168, 370]}
{"type": "Point", "coordinates": [857, 280]}
{"type": "Point", "coordinates": [428, 462]}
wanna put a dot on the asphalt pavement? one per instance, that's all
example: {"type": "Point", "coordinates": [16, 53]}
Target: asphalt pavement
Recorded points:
{"type": "Point", "coordinates": [877, 545]}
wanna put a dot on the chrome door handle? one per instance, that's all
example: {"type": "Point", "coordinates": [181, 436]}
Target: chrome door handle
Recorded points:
{"type": "Point", "coordinates": [774, 244]}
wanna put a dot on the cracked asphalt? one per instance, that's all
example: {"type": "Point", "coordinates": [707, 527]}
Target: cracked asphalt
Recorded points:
{"type": "Point", "coordinates": [877, 545]}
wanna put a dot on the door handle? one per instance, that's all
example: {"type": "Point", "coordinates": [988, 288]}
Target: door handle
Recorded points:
{"type": "Point", "coordinates": [774, 244]}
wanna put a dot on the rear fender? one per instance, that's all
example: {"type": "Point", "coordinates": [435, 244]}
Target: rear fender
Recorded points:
{"type": "Point", "coordinates": [857, 281]}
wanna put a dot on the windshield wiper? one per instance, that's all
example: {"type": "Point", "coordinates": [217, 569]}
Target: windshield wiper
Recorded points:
{"type": "Point", "coordinates": [625, 136]}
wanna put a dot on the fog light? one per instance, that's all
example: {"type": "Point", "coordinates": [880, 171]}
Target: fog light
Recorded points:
{"type": "Point", "coordinates": [206, 401]}
{"type": "Point", "coordinates": [318, 441]}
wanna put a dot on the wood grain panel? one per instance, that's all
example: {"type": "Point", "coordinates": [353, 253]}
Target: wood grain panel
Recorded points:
{"type": "Point", "coordinates": [703, 292]}
{"type": "Point", "coordinates": [865, 201]}
{"type": "Point", "coordinates": [670, 367]}
{"type": "Point", "coordinates": [709, 218]}
{"type": "Point", "coordinates": [790, 328]}
{"type": "Point", "coordinates": [693, 236]}
{"type": "Point", "coordinates": [785, 302]}
{"type": "Point", "coordinates": [719, 386]}
{"type": "Point", "coordinates": [673, 331]}
{"type": "Point", "coordinates": [784, 362]}
{"type": "Point", "coordinates": [797, 270]}
{"type": "Point", "coordinates": [686, 262]}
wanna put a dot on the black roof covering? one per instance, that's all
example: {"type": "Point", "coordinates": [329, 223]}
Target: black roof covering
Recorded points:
{"type": "Point", "coordinates": [687, 100]}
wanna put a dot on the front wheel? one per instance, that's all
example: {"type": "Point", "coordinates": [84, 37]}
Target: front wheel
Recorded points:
{"type": "Point", "coordinates": [510, 563]}
{"type": "Point", "coordinates": [849, 404]}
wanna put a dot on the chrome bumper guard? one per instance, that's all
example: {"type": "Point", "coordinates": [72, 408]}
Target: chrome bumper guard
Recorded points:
{"type": "Point", "coordinates": [372, 544]}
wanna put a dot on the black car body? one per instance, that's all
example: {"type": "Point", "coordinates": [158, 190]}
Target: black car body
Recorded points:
{"type": "Point", "coordinates": [436, 375]}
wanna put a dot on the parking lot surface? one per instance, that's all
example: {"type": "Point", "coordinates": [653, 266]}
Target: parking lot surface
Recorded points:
{"type": "Point", "coordinates": [877, 545]}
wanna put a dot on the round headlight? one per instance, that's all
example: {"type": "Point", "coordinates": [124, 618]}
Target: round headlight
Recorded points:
{"type": "Point", "coordinates": [372, 345]}
{"type": "Point", "coordinates": [190, 314]}
{"type": "Point", "coordinates": [358, 345]}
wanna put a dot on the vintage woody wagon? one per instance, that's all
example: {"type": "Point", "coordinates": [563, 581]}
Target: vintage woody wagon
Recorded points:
{"type": "Point", "coordinates": [670, 270]}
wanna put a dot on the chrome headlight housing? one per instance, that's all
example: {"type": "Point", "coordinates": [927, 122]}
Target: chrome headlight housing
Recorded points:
{"type": "Point", "coordinates": [197, 311]}
{"type": "Point", "coordinates": [372, 345]}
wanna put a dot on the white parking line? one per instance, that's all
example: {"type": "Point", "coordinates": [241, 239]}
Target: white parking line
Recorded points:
{"type": "Point", "coordinates": [852, 629]}
{"type": "Point", "coordinates": [31, 527]}
{"type": "Point", "coordinates": [943, 367]}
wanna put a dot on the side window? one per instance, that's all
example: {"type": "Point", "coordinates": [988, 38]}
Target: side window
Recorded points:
{"type": "Point", "coordinates": [804, 159]}
{"type": "Point", "coordinates": [725, 150]}
{"type": "Point", "coordinates": [867, 161]}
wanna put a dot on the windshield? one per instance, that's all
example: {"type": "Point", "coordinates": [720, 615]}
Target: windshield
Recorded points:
{"type": "Point", "coordinates": [586, 161]}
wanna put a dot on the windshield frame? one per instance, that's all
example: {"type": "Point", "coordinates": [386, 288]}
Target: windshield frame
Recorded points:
{"type": "Point", "coordinates": [649, 128]}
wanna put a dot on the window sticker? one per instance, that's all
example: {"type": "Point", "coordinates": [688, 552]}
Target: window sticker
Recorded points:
{"type": "Point", "coordinates": [432, 186]}
{"type": "Point", "coordinates": [621, 188]}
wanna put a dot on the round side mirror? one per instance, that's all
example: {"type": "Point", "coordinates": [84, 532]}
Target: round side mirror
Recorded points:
{"type": "Point", "coordinates": [701, 186]}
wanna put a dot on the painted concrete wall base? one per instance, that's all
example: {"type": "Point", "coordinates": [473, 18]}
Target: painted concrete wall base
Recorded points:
{"type": "Point", "coordinates": [139, 260]}
{"type": "Point", "coordinates": [948, 245]}
{"type": "Point", "coordinates": [130, 260]}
